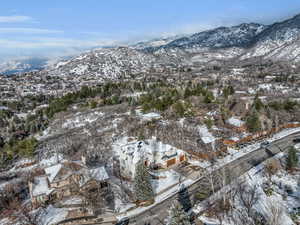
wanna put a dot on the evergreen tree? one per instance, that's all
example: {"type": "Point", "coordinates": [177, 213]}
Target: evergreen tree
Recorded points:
{"type": "Point", "coordinates": [227, 91]}
{"type": "Point", "coordinates": [209, 97]}
{"type": "Point", "coordinates": [258, 105]}
{"type": "Point", "coordinates": [1, 142]}
{"type": "Point", "coordinates": [292, 159]}
{"type": "Point", "coordinates": [179, 109]}
{"type": "Point", "coordinates": [177, 216]}
{"type": "Point", "coordinates": [253, 122]}
{"type": "Point", "coordinates": [142, 185]}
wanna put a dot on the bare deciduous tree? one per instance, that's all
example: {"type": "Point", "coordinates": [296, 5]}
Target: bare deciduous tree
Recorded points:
{"type": "Point", "coordinates": [272, 167]}
{"type": "Point", "coordinates": [93, 196]}
{"type": "Point", "coordinates": [247, 197]}
{"type": "Point", "coordinates": [276, 213]}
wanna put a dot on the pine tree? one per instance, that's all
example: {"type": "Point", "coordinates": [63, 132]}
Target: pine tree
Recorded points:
{"type": "Point", "coordinates": [253, 122]}
{"type": "Point", "coordinates": [292, 159]}
{"type": "Point", "coordinates": [177, 216]}
{"type": "Point", "coordinates": [258, 105]}
{"type": "Point", "coordinates": [142, 185]}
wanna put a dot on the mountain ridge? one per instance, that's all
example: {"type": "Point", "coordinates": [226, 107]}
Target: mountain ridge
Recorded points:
{"type": "Point", "coordinates": [278, 41]}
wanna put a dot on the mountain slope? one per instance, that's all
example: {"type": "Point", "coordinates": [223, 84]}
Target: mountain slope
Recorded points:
{"type": "Point", "coordinates": [279, 41]}
{"type": "Point", "coordinates": [22, 65]}
{"type": "Point", "coordinates": [107, 63]}
{"type": "Point", "coordinates": [222, 37]}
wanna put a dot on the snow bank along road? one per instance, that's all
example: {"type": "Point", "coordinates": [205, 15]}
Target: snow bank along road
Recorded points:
{"type": "Point", "coordinates": [156, 214]}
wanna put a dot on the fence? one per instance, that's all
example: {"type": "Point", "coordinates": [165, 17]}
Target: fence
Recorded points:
{"type": "Point", "coordinates": [260, 135]}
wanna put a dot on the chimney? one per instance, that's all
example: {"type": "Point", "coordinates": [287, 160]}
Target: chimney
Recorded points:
{"type": "Point", "coordinates": [83, 160]}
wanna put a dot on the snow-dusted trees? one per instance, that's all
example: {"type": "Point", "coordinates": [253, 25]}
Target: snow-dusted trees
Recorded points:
{"type": "Point", "coordinates": [93, 196]}
{"type": "Point", "coordinates": [177, 216]}
{"type": "Point", "coordinates": [276, 213]}
{"type": "Point", "coordinates": [247, 197]}
{"type": "Point", "coordinates": [272, 167]}
{"type": "Point", "coordinates": [142, 185]}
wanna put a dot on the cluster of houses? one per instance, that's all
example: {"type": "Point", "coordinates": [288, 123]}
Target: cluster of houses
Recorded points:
{"type": "Point", "coordinates": [65, 179]}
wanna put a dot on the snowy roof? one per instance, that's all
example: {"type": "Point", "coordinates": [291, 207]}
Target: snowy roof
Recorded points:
{"type": "Point", "coordinates": [3, 108]}
{"type": "Point", "coordinates": [40, 186]}
{"type": "Point", "coordinates": [205, 135]}
{"type": "Point", "coordinates": [52, 171]}
{"type": "Point", "coordinates": [150, 148]}
{"type": "Point", "coordinates": [99, 174]}
{"type": "Point", "coordinates": [235, 122]}
{"type": "Point", "coordinates": [148, 116]}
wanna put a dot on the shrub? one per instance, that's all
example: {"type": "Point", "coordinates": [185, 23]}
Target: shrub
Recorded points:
{"type": "Point", "coordinates": [209, 123]}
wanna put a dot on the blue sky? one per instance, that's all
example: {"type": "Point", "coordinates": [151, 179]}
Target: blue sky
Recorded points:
{"type": "Point", "coordinates": [62, 27]}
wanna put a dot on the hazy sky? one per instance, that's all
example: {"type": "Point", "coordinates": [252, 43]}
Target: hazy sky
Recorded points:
{"type": "Point", "coordinates": [49, 27]}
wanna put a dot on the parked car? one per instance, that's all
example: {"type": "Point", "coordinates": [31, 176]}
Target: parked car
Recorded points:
{"type": "Point", "coordinates": [264, 144]}
{"type": "Point", "coordinates": [296, 140]}
{"type": "Point", "coordinates": [123, 221]}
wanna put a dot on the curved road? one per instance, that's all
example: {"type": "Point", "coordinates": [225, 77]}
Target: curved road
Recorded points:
{"type": "Point", "coordinates": [157, 214]}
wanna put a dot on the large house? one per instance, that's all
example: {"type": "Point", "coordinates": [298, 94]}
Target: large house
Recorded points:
{"type": "Point", "coordinates": [63, 180]}
{"type": "Point", "coordinates": [153, 153]}
{"type": "Point", "coordinates": [236, 124]}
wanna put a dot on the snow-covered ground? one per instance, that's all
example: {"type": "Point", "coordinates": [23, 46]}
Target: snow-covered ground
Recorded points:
{"type": "Point", "coordinates": [148, 116]}
{"type": "Point", "coordinates": [159, 198]}
{"type": "Point", "coordinates": [77, 121]}
{"type": "Point", "coordinates": [169, 178]}
{"type": "Point", "coordinates": [4, 221]}
{"type": "Point", "coordinates": [51, 161]}
{"type": "Point", "coordinates": [82, 120]}
{"type": "Point", "coordinates": [52, 215]}
{"type": "Point", "coordinates": [279, 199]}
{"type": "Point", "coordinates": [219, 164]}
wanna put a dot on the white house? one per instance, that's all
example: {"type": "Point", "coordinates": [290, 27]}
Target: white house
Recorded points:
{"type": "Point", "coordinates": [151, 151]}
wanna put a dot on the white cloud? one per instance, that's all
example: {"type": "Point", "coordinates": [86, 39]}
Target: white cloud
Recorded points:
{"type": "Point", "coordinates": [29, 30]}
{"type": "Point", "coordinates": [46, 43]}
{"type": "Point", "coordinates": [14, 19]}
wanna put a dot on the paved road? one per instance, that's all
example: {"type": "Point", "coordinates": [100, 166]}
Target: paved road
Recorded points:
{"type": "Point", "coordinates": [157, 214]}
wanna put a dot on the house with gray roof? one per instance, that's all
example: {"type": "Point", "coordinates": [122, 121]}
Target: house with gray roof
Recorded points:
{"type": "Point", "coordinates": [63, 180]}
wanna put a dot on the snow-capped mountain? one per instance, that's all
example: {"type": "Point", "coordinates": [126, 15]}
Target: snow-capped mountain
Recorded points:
{"type": "Point", "coordinates": [222, 37]}
{"type": "Point", "coordinates": [105, 63]}
{"type": "Point", "coordinates": [22, 65]}
{"type": "Point", "coordinates": [154, 43]}
{"type": "Point", "coordinates": [279, 41]}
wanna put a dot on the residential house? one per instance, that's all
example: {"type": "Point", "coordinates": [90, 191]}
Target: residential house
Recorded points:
{"type": "Point", "coordinates": [153, 153]}
{"type": "Point", "coordinates": [236, 124]}
{"type": "Point", "coordinates": [63, 180]}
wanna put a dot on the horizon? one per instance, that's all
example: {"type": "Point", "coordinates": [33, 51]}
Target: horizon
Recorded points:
{"type": "Point", "coordinates": [35, 29]}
